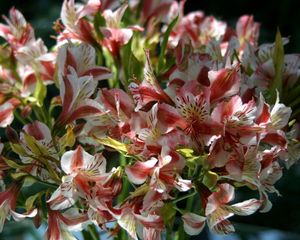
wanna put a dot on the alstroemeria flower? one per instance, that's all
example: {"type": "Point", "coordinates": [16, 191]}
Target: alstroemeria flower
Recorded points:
{"type": "Point", "coordinates": [217, 210]}
{"type": "Point", "coordinates": [149, 91]}
{"type": "Point", "coordinates": [270, 173]}
{"type": "Point", "coordinates": [164, 172]}
{"type": "Point", "coordinates": [210, 29]}
{"type": "Point", "coordinates": [8, 200]}
{"type": "Point", "coordinates": [6, 114]}
{"type": "Point", "coordinates": [247, 30]}
{"type": "Point", "coordinates": [75, 94]}
{"type": "Point", "coordinates": [155, 8]}
{"type": "Point", "coordinates": [129, 220]}
{"type": "Point", "coordinates": [60, 224]}
{"type": "Point", "coordinates": [76, 27]}
{"type": "Point", "coordinates": [239, 121]}
{"type": "Point", "coordinates": [37, 144]}
{"type": "Point", "coordinates": [224, 83]}
{"type": "Point", "coordinates": [193, 224]}
{"type": "Point", "coordinates": [280, 115]}
{"type": "Point", "coordinates": [188, 26]}
{"type": "Point", "coordinates": [35, 54]}
{"type": "Point", "coordinates": [114, 35]}
{"type": "Point", "coordinates": [18, 32]}
{"type": "Point", "coordinates": [86, 177]}
{"type": "Point", "coordinates": [82, 58]}
{"type": "Point", "coordinates": [194, 107]}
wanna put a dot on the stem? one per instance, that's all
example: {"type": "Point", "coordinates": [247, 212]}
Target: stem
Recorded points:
{"type": "Point", "coordinates": [184, 197]}
{"type": "Point", "coordinates": [93, 232]}
{"type": "Point", "coordinates": [38, 114]}
{"type": "Point", "coordinates": [169, 234]}
{"type": "Point", "coordinates": [180, 234]}
{"type": "Point", "coordinates": [295, 102]}
{"type": "Point", "coordinates": [125, 186]}
{"type": "Point", "coordinates": [19, 117]}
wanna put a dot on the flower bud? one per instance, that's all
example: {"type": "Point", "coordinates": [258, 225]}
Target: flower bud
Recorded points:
{"type": "Point", "coordinates": [11, 135]}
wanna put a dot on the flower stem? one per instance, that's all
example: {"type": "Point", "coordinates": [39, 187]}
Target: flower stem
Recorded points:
{"type": "Point", "coordinates": [184, 197]}
{"type": "Point", "coordinates": [19, 117]}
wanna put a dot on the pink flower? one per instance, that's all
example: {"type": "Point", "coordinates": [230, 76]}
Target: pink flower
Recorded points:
{"type": "Point", "coordinates": [149, 91]}
{"type": "Point", "coordinates": [217, 211]}
{"type": "Point", "coordinates": [18, 32]}
{"type": "Point", "coordinates": [60, 224]}
{"type": "Point", "coordinates": [193, 224]}
{"type": "Point", "coordinates": [8, 200]}
{"type": "Point", "coordinates": [86, 178]}
{"type": "Point", "coordinates": [247, 30]}
{"type": "Point", "coordinates": [6, 114]}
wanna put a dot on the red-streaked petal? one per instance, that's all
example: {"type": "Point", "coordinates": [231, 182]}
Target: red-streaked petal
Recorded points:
{"type": "Point", "coordinates": [193, 224]}
{"type": "Point", "coordinates": [139, 172]}
{"type": "Point", "coordinates": [6, 114]}
{"type": "Point", "coordinates": [219, 198]}
{"type": "Point", "coordinates": [245, 208]}
{"type": "Point", "coordinates": [224, 83]}
{"type": "Point", "coordinates": [75, 160]}
{"type": "Point", "coordinates": [38, 130]}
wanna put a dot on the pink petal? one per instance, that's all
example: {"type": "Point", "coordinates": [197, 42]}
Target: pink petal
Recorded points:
{"type": "Point", "coordinates": [139, 172]}
{"type": "Point", "coordinates": [224, 83]}
{"type": "Point", "coordinates": [193, 224]}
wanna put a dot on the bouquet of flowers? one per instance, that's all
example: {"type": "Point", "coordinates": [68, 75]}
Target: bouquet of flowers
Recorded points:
{"type": "Point", "coordinates": [141, 121]}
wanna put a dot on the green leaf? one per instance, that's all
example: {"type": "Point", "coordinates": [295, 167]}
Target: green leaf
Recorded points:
{"type": "Point", "coordinates": [110, 142]}
{"type": "Point", "coordinates": [18, 175]}
{"type": "Point", "coordinates": [99, 21]}
{"type": "Point", "coordinates": [168, 213]}
{"type": "Point", "coordinates": [161, 62]}
{"type": "Point", "coordinates": [34, 146]}
{"type": "Point", "coordinates": [68, 140]}
{"type": "Point", "coordinates": [40, 92]}
{"type": "Point", "coordinates": [18, 149]}
{"type": "Point", "coordinates": [210, 179]}
{"type": "Point", "coordinates": [186, 152]}
{"type": "Point", "coordinates": [12, 163]}
{"type": "Point", "coordinates": [278, 59]}
{"type": "Point", "coordinates": [30, 201]}
{"type": "Point", "coordinates": [132, 66]}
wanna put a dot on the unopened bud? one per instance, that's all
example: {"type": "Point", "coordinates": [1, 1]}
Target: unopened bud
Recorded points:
{"type": "Point", "coordinates": [26, 111]}
{"type": "Point", "coordinates": [11, 135]}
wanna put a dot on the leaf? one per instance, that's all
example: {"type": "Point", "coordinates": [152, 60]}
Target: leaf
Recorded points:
{"type": "Point", "coordinates": [68, 140]}
{"type": "Point", "coordinates": [99, 21]}
{"type": "Point", "coordinates": [29, 181]}
{"type": "Point", "coordinates": [12, 163]}
{"type": "Point", "coordinates": [186, 152]}
{"type": "Point", "coordinates": [18, 175]}
{"type": "Point", "coordinates": [161, 62]}
{"type": "Point", "coordinates": [132, 66]}
{"type": "Point", "coordinates": [278, 59]}
{"type": "Point", "coordinates": [168, 213]}
{"type": "Point", "coordinates": [210, 179]}
{"type": "Point", "coordinates": [36, 148]}
{"type": "Point", "coordinates": [30, 201]}
{"type": "Point", "coordinates": [40, 92]}
{"type": "Point", "coordinates": [110, 142]}
{"type": "Point", "coordinates": [18, 149]}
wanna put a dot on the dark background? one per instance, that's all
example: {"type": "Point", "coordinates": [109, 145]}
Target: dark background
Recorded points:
{"type": "Point", "coordinates": [285, 15]}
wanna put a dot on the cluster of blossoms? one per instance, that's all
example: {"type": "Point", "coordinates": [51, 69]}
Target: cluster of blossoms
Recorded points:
{"type": "Point", "coordinates": [141, 119]}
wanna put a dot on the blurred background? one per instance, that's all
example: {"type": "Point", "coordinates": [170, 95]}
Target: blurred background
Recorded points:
{"type": "Point", "coordinates": [283, 221]}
